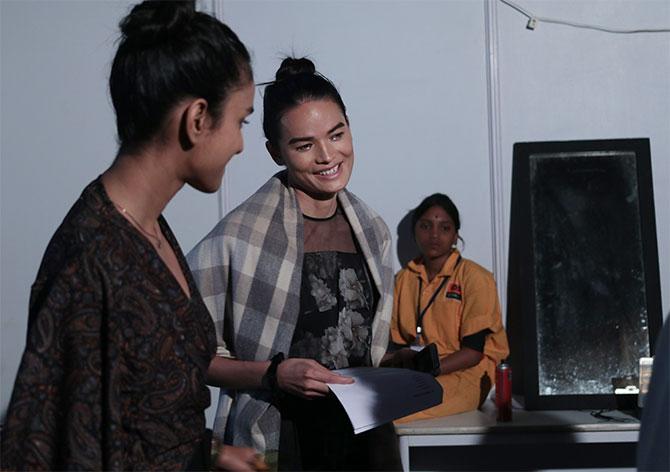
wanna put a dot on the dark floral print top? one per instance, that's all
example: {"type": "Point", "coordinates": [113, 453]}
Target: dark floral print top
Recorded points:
{"type": "Point", "coordinates": [337, 299]}
{"type": "Point", "coordinates": [113, 373]}
{"type": "Point", "coordinates": [337, 308]}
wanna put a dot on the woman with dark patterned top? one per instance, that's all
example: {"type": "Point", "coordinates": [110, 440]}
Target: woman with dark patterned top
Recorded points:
{"type": "Point", "coordinates": [302, 269]}
{"type": "Point", "coordinates": [119, 340]}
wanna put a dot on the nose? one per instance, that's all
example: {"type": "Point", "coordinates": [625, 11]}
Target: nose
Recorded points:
{"type": "Point", "coordinates": [325, 154]}
{"type": "Point", "coordinates": [240, 145]}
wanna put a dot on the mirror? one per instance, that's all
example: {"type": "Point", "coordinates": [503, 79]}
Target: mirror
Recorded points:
{"type": "Point", "coordinates": [587, 293]}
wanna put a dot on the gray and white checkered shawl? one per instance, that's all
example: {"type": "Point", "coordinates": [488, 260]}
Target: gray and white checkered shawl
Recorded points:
{"type": "Point", "coordinates": [248, 270]}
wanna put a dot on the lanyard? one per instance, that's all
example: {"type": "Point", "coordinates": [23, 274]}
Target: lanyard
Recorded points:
{"type": "Point", "coordinates": [421, 313]}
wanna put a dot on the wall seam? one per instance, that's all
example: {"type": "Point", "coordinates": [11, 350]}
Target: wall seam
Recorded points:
{"type": "Point", "coordinates": [495, 151]}
{"type": "Point", "coordinates": [215, 8]}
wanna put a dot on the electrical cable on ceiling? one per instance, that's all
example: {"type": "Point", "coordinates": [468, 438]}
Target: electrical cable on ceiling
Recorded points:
{"type": "Point", "coordinates": [534, 19]}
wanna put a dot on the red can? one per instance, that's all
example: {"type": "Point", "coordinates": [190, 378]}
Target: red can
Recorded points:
{"type": "Point", "coordinates": [504, 391]}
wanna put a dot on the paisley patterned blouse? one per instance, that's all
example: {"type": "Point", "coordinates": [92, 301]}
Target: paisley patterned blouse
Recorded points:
{"type": "Point", "coordinates": [113, 373]}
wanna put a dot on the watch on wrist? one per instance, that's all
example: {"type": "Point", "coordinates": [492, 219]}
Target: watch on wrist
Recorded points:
{"type": "Point", "coordinates": [269, 380]}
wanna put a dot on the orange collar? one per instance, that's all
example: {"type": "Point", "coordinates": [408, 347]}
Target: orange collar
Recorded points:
{"type": "Point", "coordinates": [448, 269]}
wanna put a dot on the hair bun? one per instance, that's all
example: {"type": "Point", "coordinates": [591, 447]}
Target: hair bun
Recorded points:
{"type": "Point", "coordinates": [153, 20]}
{"type": "Point", "coordinates": [292, 66]}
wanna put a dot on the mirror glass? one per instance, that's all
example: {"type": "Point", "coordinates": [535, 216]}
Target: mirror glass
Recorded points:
{"type": "Point", "coordinates": [589, 274]}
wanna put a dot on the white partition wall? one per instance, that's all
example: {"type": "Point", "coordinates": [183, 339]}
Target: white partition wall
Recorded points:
{"type": "Point", "coordinates": [437, 93]}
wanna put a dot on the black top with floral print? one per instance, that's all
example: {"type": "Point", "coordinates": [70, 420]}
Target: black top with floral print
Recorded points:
{"type": "Point", "coordinates": [337, 299]}
{"type": "Point", "coordinates": [334, 326]}
{"type": "Point", "coordinates": [337, 307]}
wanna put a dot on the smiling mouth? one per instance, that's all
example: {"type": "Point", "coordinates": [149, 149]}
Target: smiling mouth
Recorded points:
{"type": "Point", "coordinates": [331, 171]}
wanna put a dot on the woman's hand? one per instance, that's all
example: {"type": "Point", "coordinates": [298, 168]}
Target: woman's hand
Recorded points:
{"type": "Point", "coordinates": [242, 459]}
{"type": "Point", "coordinates": [402, 358]}
{"type": "Point", "coordinates": [307, 378]}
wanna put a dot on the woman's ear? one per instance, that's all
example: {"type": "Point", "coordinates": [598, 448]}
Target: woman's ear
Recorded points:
{"type": "Point", "coordinates": [274, 152]}
{"type": "Point", "coordinates": [194, 123]}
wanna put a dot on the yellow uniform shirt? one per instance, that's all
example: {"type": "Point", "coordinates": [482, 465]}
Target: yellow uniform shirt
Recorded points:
{"type": "Point", "coordinates": [465, 305]}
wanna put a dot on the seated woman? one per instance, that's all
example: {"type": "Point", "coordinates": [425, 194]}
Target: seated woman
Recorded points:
{"type": "Point", "coordinates": [303, 269]}
{"type": "Point", "coordinates": [443, 298]}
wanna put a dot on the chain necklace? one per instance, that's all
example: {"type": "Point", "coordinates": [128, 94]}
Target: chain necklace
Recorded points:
{"type": "Point", "coordinates": [152, 236]}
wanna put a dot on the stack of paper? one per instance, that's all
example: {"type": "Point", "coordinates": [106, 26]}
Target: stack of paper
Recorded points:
{"type": "Point", "coordinates": [380, 395]}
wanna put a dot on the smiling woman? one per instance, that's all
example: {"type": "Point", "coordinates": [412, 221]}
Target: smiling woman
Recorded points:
{"type": "Point", "coordinates": [317, 150]}
{"type": "Point", "coordinates": [303, 269]}
{"type": "Point", "coordinates": [307, 130]}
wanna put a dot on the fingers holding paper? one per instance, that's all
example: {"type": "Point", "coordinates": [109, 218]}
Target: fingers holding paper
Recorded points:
{"type": "Point", "coordinates": [307, 378]}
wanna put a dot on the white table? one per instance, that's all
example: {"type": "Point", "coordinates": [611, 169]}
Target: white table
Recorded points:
{"type": "Point", "coordinates": [527, 427]}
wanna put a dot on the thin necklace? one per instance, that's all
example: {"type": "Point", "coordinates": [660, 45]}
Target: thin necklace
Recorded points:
{"type": "Point", "coordinates": [137, 224]}
{"type": "Point", "coordinates": [316, 218]}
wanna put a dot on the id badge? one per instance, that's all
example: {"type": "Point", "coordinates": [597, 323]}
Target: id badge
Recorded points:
{"type": "Point", "coordinates": [416, 345]}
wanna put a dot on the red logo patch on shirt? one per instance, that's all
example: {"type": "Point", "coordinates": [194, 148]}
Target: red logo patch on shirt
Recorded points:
{"type": "Point", "coordinates": [455, 292]}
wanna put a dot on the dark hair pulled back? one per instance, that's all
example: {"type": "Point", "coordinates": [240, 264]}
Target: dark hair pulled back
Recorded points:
{"type": "Point", "coordinates": [436, 199]}
{"type": "Point", "coordinates": [168, 51]}
{"type": "Point", "coordinates": [296, 82]}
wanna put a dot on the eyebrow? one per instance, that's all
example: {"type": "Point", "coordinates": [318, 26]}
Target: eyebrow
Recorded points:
{"type": "Point", "coordinates": [250, 110]}
{"type": "Point", "coordinates": [310, 138]}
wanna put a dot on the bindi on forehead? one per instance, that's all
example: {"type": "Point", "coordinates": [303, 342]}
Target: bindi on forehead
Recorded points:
{"type": "Point", "coordinates": [436, 216]}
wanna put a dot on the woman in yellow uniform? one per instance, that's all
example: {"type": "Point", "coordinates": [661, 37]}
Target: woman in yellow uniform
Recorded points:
{"type": "Point", "coordinates": [443, 298]}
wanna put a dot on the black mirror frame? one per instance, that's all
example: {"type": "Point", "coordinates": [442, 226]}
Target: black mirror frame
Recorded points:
{"type": "Point", "coordinates": [521, 312]}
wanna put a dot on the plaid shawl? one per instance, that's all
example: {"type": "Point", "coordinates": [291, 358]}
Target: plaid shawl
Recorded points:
{"type": "Point", "coordinates": [248, 270]}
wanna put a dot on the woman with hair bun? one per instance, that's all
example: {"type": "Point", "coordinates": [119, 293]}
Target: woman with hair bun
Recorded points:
{"type": "Point", "coordinates": [299, 281]}
{"type": "Point", "coordinates": [119, 339]}
{"type": "Point", "coordinates": [442, 298]}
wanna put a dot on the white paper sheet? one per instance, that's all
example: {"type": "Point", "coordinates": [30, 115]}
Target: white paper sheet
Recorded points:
{"type": "Point", "coordinates": [380, 395]}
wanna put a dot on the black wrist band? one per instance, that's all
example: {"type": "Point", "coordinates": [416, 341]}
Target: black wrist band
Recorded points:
{"type": "Point", "coordinates": [269, 380]}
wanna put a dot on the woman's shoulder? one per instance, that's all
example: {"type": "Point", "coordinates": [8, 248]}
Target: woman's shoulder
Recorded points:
{"type": "Point", "coordinates": [348, 197]}
{"type": "Point", "coordinates": [364, 211]}
{"type": "Point", "coordinates": [261, 203]}
{"type": "Point", "coordinates": [79, 247]}
{"type": "Point", "coordinates": [83, 230]}
{"type": "Point", "coordinates": [407, 274]}
{"type": "Point", "coordinates": [474, 272]}
{"type": "Point", "coordinates": [240, 225]}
